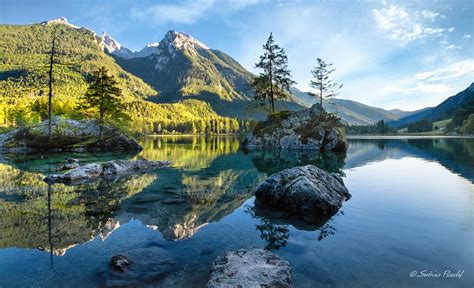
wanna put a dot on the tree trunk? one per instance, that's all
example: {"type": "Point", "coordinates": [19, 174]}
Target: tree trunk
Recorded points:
{"type": "Point", "coordinates": [271, 90]}
{"type": "Point", "coordinates": [321, 95]}
{"type": "Point", "coordinates": [50, 95]}
{"type": "Point", "coordinates": [101, 120]}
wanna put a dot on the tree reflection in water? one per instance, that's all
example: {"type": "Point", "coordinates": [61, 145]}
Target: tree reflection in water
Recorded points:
{"type": "Point", "coordinates": [274, 225]}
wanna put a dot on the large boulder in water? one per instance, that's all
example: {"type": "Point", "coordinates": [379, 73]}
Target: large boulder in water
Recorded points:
{"type": "Point", "coordinates": [307, 192]}
{"type": "Point", "coordinates": [110, 168]}
{"type": "Point", "coordinates": [250, 268]}
{"type": "Point", "coordinates": [309, 129]}
{"type": "Point", "coordinates": [67, 135]}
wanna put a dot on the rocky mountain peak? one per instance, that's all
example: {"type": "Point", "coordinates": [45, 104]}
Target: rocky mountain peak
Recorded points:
{"type": "Point", "coordinates": [180, 41]}
{"type": "Point", "coordinates": [60, 20]}
{"type": "Point", "coordinates": [111, 45]}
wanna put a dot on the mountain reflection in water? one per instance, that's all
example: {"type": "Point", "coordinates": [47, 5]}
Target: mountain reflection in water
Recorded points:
{"type": "Point", "coordinates": [211, 180]}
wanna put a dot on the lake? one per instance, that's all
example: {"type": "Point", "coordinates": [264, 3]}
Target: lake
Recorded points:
{"type": "Point", "coordinates": [410, 218]}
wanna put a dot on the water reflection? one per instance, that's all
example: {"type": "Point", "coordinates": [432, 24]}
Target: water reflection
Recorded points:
{"type": "Point", "coordinates": [188, 152]}
{"type": "Point", "coordinates": [273, 225]}
{"type": "Point", "coordinates": [209, 180]}
{"type": "Point", "coordinates": [456, 154]}
{"type": "Point", "coordinates": [183, 202]}
{"type": "Point", "coordinates": [54, 218]}
{"type": "Point", "coordinates": [272, 161]}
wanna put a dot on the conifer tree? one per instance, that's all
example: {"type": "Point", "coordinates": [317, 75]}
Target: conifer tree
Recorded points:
{"type": "Point", "coordinates": [103, 95]}
{"type": "Point", "coordinates": [275, 80]}
{"type": "Point", "coordinates": [323, 83]}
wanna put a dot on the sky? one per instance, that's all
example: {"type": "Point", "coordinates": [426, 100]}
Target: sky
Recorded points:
{"type": "Point", "coordinates": [391, 54]}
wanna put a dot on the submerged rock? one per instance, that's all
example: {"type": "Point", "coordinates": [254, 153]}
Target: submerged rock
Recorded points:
{"type": "Point", "coordinates": [309, 129]}
{"type": "Point", "coordinates": [307, 192]}
{"type": "Point", "coordinates": [114, 167]}
{"type": "Point", "coordinates": [68, 135]}
{"type": "Point", "coordinates": [71, 164]}
{"type": "Point", "coordinates": [119, 263]}
{"type": "Point", "coordinates": [139, 266]}
{"type": "Point", "coordinates": [250, 268]}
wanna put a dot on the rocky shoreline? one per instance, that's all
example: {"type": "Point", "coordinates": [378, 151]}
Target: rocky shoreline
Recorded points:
{"type": "Point", "coordinates": [68, 135]}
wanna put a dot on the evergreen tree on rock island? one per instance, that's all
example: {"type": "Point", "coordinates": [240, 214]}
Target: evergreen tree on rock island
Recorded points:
{"type": "Point", "coordinates": [275, 80]}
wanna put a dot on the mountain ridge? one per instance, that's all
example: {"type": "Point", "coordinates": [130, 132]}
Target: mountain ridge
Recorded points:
{"type": "Point", "coordinates": [442, 111]}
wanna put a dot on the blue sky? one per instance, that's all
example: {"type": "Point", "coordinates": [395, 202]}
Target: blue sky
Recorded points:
{"type": "Point", "coordinates": [392, 54]}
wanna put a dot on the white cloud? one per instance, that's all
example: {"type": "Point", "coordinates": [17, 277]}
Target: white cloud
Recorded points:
{"type": "Point", "coordinates": [456, 70]}
{"type": "Point", "coordinates": [396, 23]}
{"type": "Point", "coordinates": [429, 14]}
{"type": "Point", "coordinates": [467, 36]}
{"type": "Point", "coordinates": [188, 12]}
{"type": "Point", "coordinates": [421, 87]}
{"type": "Point", "coordinates": [452, 47]}
{"type": "Point", "coordinates": [427, 88]}
{"type": "Point", "coordinates": [451, 29]}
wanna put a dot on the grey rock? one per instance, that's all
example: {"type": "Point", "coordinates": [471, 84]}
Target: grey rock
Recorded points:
{"type": "Point", "coordinates": [307, 192]}
{"type": "Point", "coordinates": [250, 268]}
{"type": "Point", "coordinates": [139, 266]}
{"type": "Point", "coordinates": [114, 167]}
{"type": "Point", "coordinates": [69, 166]}
{"type": "Point", "coordinates": [119, 263]}
{"type": "Point", "coordinates": [68, 135]}
{"type": "Point", "coordinates": [300, 130]}
{"type": "Point", "coordinates": [71, 163]}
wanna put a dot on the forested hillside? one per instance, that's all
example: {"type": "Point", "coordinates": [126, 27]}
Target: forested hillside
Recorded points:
{"type": "Point", "coordinates": [24, 64]}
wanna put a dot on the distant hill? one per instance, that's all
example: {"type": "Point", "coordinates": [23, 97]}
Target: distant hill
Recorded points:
{"type": "Point", "coordinates": [401, 113]}
{"type": "Point", "coordinates": [352, 112]}
{"type": "Point", "coordinates": [442, 111]}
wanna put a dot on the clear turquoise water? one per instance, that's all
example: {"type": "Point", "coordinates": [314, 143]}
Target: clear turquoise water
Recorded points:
{"type": "Point", "coordinates": [411, 210]}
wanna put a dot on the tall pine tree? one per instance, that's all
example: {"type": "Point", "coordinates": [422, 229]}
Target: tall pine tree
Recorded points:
{"type": "Point", "coordinates": [323, 83]}
{"type": "Point", "coordinates": [275, 80]}
{"type": "Point", "coordinates": [103, 95]}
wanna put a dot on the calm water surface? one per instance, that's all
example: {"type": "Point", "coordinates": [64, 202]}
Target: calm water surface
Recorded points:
{"type": "Point", "coordinates": [411, 210]}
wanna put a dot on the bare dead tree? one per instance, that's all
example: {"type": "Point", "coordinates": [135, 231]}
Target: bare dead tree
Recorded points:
{"type": "Point", "coordinates": [50, 94]}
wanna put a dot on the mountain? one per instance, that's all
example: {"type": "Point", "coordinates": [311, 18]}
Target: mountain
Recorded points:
{"type": "Point", "coordinates": [24, 54]}
{"type": "Point", "coordinates": [401, 113]}
{"type": "Point", "coordinates": [180, 67]}
{"type": "Point", "coordinates": [112, 46]}
{"type": "Point", "coordinates": [442, 111]}
{"type": "Point", "coordinates": [352, 112]}
{"type": "Point", "coordinates": [24, 58]}
{"type": "Point", "coordinates": [356, 113]}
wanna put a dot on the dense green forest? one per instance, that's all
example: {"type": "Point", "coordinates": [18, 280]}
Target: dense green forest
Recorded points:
{"type": "Point", "coordinates": [24, 63]}
{"type": "Point", "coordinates": [379, 128]}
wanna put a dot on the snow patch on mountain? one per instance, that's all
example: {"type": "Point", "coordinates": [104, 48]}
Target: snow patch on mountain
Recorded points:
{"type": "Point", "coordinates": [150, 49]}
